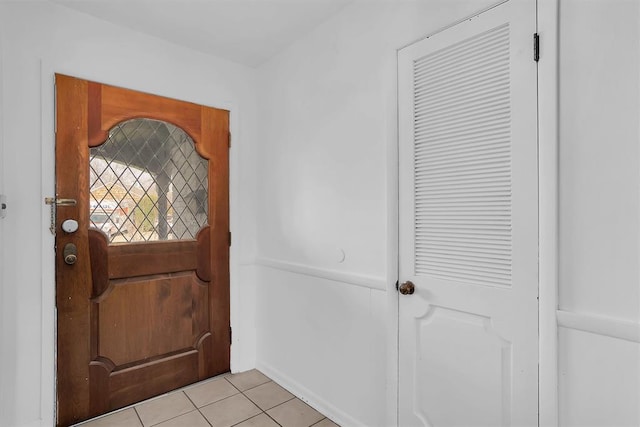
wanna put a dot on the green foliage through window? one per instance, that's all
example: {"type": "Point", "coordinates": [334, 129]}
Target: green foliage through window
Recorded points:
{"type": "Point", "coordinates": [146, 213]}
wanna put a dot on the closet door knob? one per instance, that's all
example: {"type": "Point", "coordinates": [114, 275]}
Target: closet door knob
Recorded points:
{"type": "Point", "coordinates": [407, 288]}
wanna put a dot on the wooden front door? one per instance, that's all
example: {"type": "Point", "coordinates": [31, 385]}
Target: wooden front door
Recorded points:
{"type": "Point", "coordinates": [468, 313]}
{"type": "Point", "coordinates": [142, 284]}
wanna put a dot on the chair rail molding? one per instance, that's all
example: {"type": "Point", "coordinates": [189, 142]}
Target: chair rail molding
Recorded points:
{"type": "Point", "coordinates": [357, 279]}
{"type": "Point", "coordinates": [606, 326]}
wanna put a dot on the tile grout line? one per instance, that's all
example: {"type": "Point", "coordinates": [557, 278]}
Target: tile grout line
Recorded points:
{"type": "Point", "coordinates": [210, 403]}
{"type": "Point", "coordinates": [220, 400]}
{"type": "Point", "coordinates": [250, 418]}
{"type": "Point", "coordinates": [172, 418]}
{"type": "Point", "coordinates": [232, 385]}
{"type": "Point", "coordinates": [238, 391]}
{"type": "Point", "coordinates": [264, 411]}
{"type": "Point", "coordinates": [203, 416]}
{"type": "Point", "coordinates": [255, 386]}
{"type": "Point", "coordinates": [228, 397]}
{"type": "Point", "coordinates": [315, 424]}
{"type": "Point", "coordinates": [174, 392]}
{"type": "Point", "coordinates": [197, 409]}
{"type": "Point", "coordinates": [268, 409]}
{"type": "Point", "coordinates": [295, 397]}
{"type": "Point", "coordinates": [280, 404]}
{"type": "Point", "coordinates": [138, 415]}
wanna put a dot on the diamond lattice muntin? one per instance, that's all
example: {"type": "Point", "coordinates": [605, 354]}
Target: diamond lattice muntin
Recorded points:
{"type": "Point", "coordinates": [148, 183]}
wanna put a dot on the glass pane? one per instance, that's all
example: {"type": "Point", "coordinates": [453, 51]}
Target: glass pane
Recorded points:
{"type": "Point", "coordinates": [148, 183]}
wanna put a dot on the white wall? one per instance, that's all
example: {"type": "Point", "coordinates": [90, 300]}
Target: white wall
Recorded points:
{"type": "Point", "coordinates": [38, 39]}
{"type": "Point", "coordinates": [599, 295]}
{"type": "Point", "coordinates": [326, 327]}
{"type": "Point", "coordinates": [325, 175]}
{"type": "Point", "coordinates": [327, 125]}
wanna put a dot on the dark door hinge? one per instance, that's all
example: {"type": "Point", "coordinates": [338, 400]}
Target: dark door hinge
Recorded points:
{"type": "Point", "coordinates": [229, 136]}
{"type": "Point", "coordinates": [229, 238]}
{"type": "Point", "coordinates": [536, 47]}
{"type": "Point", "coordinates": [230, 335]}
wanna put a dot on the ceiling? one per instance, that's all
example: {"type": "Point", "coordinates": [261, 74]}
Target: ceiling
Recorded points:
{"type": "Point", "coordinates": [244, 31]}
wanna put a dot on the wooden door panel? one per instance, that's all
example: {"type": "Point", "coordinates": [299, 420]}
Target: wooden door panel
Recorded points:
{"type": "Point", "coordinates": [169, 304]}
{"type": "Point", "coordinates": [140, 259]}
{"type": "Point", "coordinates": [136, 319]}
{"type": "Point", "coordinates": [110, 105]}
{"type": "Point", "coordinates": [114, 388]}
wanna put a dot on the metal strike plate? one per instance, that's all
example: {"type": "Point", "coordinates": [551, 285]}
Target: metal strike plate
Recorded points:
{"type": "Point", "coordinates": [60, 202]}
{"type": "Point", "coordinates": [53, 201]}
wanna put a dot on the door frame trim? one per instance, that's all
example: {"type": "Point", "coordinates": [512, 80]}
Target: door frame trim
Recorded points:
{"type": "Point", "coordinates": [49, 331]}
{"type": "Point", "coordinates": [548, 211]}
{"type": "Point", "coordinates": [48, 276]}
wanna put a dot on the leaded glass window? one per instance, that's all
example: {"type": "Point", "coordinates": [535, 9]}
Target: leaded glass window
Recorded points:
{"type": "Point", "coordinates": [148, 183]}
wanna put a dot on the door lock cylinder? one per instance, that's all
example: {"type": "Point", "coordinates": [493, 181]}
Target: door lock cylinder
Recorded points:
{"type": "Point", "coordinates": [70, 253]}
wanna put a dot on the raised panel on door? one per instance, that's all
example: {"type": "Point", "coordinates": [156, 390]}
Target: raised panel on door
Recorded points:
{"type": "Point", "coordinates": [145, 307]}
{"type": "Point", "coordinates": [468, 343]}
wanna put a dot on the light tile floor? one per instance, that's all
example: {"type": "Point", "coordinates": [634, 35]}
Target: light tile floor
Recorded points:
{"type": "Point", "coordinates": [249, 399]}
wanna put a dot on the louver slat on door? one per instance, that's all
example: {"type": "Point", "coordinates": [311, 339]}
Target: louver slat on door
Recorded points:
{"type": "Point", "coordinates": [462, 161]}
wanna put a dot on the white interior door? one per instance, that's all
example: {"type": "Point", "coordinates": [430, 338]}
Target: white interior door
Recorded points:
{"type": "Point", "coordinates": [469, 223]}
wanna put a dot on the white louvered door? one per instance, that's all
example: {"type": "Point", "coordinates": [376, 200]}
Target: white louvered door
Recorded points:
{"type": "Point", "coordinates": [468, 336]}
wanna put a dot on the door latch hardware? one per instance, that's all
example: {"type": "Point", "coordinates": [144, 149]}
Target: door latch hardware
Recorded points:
{"type": "Point", "coordinates": [60, 202]}
{"type": "Point", "coordinates": [54, 201]}
{"type": "Point", "coordinates": [70, 253]}
{"type": "Point", "coordinates": [407, 288]}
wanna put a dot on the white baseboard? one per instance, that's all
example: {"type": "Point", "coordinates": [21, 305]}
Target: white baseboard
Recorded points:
{"type": "Point", "coordinates": [309, 397]}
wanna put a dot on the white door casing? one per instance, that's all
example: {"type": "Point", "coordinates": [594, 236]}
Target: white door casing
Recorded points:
{"type": "Point", "coordinates": [468, 212]}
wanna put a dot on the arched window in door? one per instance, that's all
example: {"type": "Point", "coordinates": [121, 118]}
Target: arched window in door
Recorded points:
{"type": "Point", "coordinates": [148, 183]}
